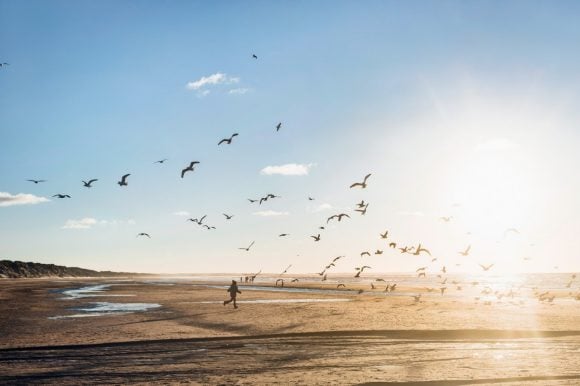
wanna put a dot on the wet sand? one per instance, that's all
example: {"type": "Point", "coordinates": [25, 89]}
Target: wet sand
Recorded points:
{"type": "Point", "coordinates": [279, 337]}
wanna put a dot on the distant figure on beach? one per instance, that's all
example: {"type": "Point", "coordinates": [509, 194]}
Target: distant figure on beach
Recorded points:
{"type": "Point", "coordinates": [233, 290]}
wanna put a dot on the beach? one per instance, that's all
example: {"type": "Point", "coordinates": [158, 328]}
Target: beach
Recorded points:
{"type": "Point", "coordinates": [177, 330]}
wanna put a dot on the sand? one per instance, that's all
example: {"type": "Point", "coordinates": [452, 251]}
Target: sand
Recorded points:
{"type": "Point", "coordinates": [193, 338]}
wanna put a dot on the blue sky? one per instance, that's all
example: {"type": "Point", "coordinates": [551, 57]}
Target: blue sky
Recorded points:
{"type": "Point", "coordinates": [457, 108]}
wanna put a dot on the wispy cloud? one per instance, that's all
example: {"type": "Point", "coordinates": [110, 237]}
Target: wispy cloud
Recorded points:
{"type": "Point", "coordinates": [270, 213]}
{"type": "Point", "coordinates": [89, 222]}
{"type": "Point", "coordinates": [497, 144]}
{"type": "Point", "coordinates": [210, 80]}
{"type": "Point", "coordinates": [239, 91]}
{"type": "Point", "coordinates": [182, 213]}
{"type": "Point", "coordinates": [288, 170]}
{"type": "Point", "coordinates": [85, 223]}
{"type": "Point", "coordinates": [7, 199]}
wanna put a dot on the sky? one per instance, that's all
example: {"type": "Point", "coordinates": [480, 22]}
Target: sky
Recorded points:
{"type": "Point", "coordinates": [457, 109]}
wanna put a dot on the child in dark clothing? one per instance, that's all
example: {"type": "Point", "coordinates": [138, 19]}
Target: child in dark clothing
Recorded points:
{"type": "Point", "coordinates": [233, 290]}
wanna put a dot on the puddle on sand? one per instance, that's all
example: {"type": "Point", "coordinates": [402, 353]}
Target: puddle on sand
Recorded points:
{"type": "Point", "coordinates": [101, 308]}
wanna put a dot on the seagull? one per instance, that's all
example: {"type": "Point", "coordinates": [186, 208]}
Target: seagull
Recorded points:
{"type": "Point", "coordinates": [123, 181]}
{"type": "Point", "coordinates": [61, 196]}
{"type": "Point", "coordinates": [337, 216]}
{"type": "Point", "coordinates": [208, 227]}
{"type": "Point", "coordinates": [36, 181]}
{"type": "Point", "coordinates": [337, 258]}
{"type": "Point", "coordinates": [393, 245]}
{"type": "Point", "coordinates": [466, 252]}
{"type": "Point", "coordinates": [486, 267]}
{"type": "Point", "coordinates": [200, 221]}
{"type": "Point", "coordinates": [360, 270]}
{"type": "Point", "coordinates": [87, 184]}
{"type": "Point", "coordinates": [340, 285]}
{"type": "Point", "coordinates": [380, 280]}
{"type": "Point", "coordinates": [248, 248]}
{"type": "Point", "coordinates": [364, 253]}
{"type": "Point", "coordinates": [283, 234]}
{"type": "Point", "coordinates": [321, 228]}
{"type": "Point", "coordinates": [160, 161]}
{"type": "Point", "coordinates": [420, 249]}
{"type": "Point", "coordinates": [294, 280]}
{"type": "Point", "coordinates": [286, 270]}
{"type": "Point", "coordinates": [324, 277]}
{"type": "Point", "coordinates": [254, 56]}
{"type": "Point", "coordinates": [281, 280]}
{"type": "Point", "coordinates": [378, 252]}
{"type": "Point", "coordinates": [444, 270]}
{"type": "Point", "coordinates": [363, 211]}
{"type": "Point", "coordinates": [446, 219]}
{"type": "Point", "coordinates": [361, 204]}
{"type": "Point", "coordinates": [322, 273]}
{"type": "Point", "coordinates": [4, 64]}
{"type": "Point", "coordinates": [278, 126]}
{"type": "Point", "coordinates": [361, 184]}
{"type": "Point", "coordinates": [422, 274]}
{"type": "Point", "coordinates": [310, 199]}
{"type": "Point", "coordinates": [372, 286]}
{"type": "Point", "coordinates": [228, 141]}
{"type": "Point", "coordinates": [421, 269]}
{"type": "Point", "coordinates": [252, 201]}
{"type": "Point", "coordinates": [228, 216]}
{"type": "Point", "coordinates": [384, 235]}
{"type": "Point", "coordinates": [143, 234]}
{"type": "Point", "coordinates": [316, 238]}
{"type": "Point", "coordinates": [329, 265]}
{"type": "Point", "coordinates": [404, 249]}
{"type": "Point", "coordinates": [189, 168]}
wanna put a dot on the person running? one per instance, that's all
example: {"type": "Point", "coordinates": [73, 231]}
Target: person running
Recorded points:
{"type": "Point", "coordinates": [233, 290]}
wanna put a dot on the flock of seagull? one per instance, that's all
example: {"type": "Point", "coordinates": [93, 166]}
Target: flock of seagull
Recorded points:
{"type": "Point", "coordinates": [361, 208]}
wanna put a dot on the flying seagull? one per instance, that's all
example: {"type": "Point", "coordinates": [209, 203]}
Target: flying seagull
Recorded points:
{"type": "Point", "coordinates": [143, 234]}
{"type": "Point", "coordinates": [208, 227]}
{"type": "Point", "coordinates": [36, 181]}
{"type": "Point", "coordinates": [283, 235]}
{"type": "Point", "coordinates": [364, 253]}
{"type": "Point", "coordinates": [486, 267]}
{"type": "Point", "coordinates": [4, 64]}
{"type": "Point", "coordinates": [189, 168]}
{"type": "Point", "coordinates": [248, 248]}
{"type": "Point", "coordinates": [286, 270]}
{"type": "Point", "coordinates": [228, 141]}
{"type": "Point", "coordinates": [310, 199]}
{"type": "Point", "coordinates": [316, 238]}
{"type": "Point", "coordinates": [363, 211]}
{"type": "Point", "coordinates": [61, 196]}
{"type": "Point", "coordinates": [446, 219]}
{"type": "Point", "coordinates": [361, 184]}
{"type": "Point", "coordinates": [466, 252]}
{"type": "Point", "coordinates": [254, 56]}
{"type": "Point", "coordinates": [337, 216]}
{"type": "Point", "coordinates": [278, 126]}
{"type": "Point", "coordinates": [337, 258]}
{"type": "Point", "coordinates": [360, 270]}
{"type": "Point", "coordinates": [160, 161]}
{"type": "Point", "coordinates": [87, 184]}
{"type": "Point", "coordinates": [228, 217]}
{"type": "Point", "coordinates": [420, 249]}
{"type": "Point", "coordinates": [123, 181]}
